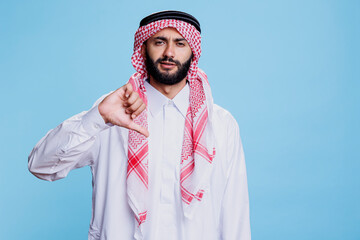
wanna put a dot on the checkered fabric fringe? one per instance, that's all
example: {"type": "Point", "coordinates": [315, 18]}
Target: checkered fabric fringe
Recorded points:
{"type": "Point", "coordinates": [198, 149]}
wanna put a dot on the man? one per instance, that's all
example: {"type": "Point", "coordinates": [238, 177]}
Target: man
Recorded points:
{"type": "Point", "coordinates": [166, 162]}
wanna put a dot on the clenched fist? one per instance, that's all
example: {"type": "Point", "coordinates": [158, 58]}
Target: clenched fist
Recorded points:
{"type": "Point", "coordinates": [121, 107]}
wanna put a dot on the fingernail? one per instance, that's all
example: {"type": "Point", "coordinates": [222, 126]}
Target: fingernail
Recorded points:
{"type": "Point", "coordinates": [133, 116]}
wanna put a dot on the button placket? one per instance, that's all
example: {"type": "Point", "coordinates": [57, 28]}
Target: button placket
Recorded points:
{"type": "Point", "coordinates": [168, 176]}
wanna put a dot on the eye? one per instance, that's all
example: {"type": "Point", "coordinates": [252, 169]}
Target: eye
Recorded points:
{"type": "Point", "coordinates": [158, 42]}
{"type": "Point", "coordinates": [180, 44]}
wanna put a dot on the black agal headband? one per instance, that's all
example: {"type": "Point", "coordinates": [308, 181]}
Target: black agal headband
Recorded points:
{"type": "Point", "coordinates": [182, 16]}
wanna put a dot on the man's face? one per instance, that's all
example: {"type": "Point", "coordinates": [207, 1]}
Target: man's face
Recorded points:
{"type": "Point", "coordinates": [167, 56]}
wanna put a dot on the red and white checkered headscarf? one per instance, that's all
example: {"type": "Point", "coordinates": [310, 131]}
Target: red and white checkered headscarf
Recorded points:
{"type": "Point", "coordinates": [198, 145]}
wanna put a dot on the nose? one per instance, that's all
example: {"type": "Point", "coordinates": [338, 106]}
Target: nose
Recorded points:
{"type": "Point", "coordinates": [169, 51]}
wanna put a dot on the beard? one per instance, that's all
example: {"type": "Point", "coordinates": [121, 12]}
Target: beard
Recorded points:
{"type": "Point", "coordinates": [167, 78]}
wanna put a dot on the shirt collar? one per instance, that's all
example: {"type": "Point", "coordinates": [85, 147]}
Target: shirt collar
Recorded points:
{"type": "Point", "coordinates": [156, 100]}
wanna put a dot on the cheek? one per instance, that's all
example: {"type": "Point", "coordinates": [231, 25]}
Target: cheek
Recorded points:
{"type": "Point", "coordinates": [155, 51]}
{"type": "Point", "coordinates": [186, 54]}
{"type": "Point", "coordinates": [155, 55]}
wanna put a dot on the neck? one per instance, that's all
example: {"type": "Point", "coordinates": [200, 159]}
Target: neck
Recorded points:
{"type": "Point", "coordinates": [169, 91]}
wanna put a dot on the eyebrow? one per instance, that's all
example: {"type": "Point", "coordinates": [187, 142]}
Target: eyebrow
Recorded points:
{"type": "Point", "coordinates": [161, 38]}
{"type": "Point", "coordinates": [165, 39]}
{"type": "Point", "coordinates": [179, 39]}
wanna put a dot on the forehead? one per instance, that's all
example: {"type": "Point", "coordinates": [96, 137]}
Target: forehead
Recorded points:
{"type": "Point", "coordinates": [168, 33]}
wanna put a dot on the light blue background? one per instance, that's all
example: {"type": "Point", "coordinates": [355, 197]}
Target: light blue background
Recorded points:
{"type": "Point", "coordinates": [288, 71]}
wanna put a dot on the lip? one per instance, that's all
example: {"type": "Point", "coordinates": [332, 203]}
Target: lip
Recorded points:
{"type": "Point", "coordinates": [167, 65]}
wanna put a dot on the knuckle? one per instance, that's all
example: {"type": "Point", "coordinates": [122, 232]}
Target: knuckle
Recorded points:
{"type": "Point", "coordinates": [130, 109]}
{"type": "Point", "coordinates": [138, 111]}
{"type": "Point", "coordinates": [131, 100]}
{"type": "Point", "coordinates": [136, 95]}
{"type": "Point", "coordinates": [142, 108]}
{"type": "Point", "coordinates": [138, 102]}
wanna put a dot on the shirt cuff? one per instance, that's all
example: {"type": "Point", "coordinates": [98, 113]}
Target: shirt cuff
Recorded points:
{"type": "Point", "coordinates": [93, 122]}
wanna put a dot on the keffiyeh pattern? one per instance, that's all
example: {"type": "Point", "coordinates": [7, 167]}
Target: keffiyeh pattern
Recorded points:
{"type": "Point", "coordinates": [198, 148]}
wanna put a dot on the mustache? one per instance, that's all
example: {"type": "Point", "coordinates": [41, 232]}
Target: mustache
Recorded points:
{"type": "Point", "coordinates": [167, 59]}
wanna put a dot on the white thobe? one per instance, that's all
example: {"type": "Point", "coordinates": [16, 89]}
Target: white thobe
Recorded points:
{"type": "Point", "coordinates": [85, 139]}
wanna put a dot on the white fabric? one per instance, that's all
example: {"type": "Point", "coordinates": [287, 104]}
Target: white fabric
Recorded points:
{"type": "Point", "coordinates": [86, 140]}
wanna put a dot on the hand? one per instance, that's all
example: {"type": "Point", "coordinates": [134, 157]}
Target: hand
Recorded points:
{"type": "Point", "coordinates": [121, 107]}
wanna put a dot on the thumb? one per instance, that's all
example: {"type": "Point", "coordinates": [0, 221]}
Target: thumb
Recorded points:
{"type": "Point", "coordinates": [128, 89]}
{"type": "Point", "coordinates": [138, 128]}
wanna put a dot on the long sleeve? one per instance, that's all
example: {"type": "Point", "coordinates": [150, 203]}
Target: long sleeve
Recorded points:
{"type": "Point", "coordinates": [235, 218]}
{"type": "Point", "coordinates": [72, 144]}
